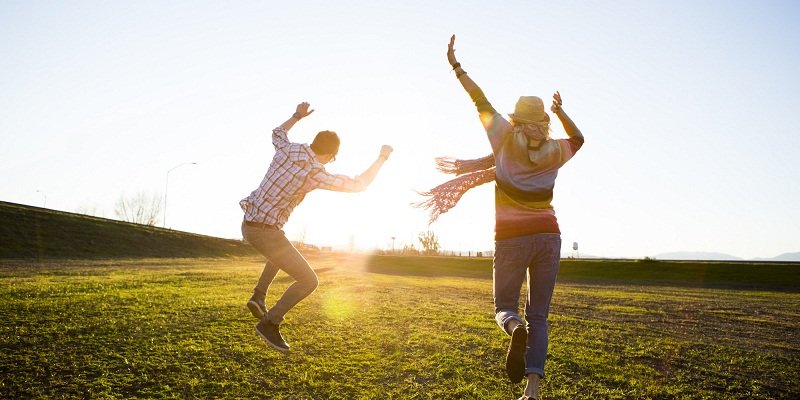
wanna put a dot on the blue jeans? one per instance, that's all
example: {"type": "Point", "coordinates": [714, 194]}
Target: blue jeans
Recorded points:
{"type": "Point", "coordinates": [281, 255]}
{"type": "Point", "coordinates": [539, 256]}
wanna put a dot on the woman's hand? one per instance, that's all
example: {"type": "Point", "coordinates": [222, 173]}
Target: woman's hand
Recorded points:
{"type": "Point", "coordinates": [451, 52]}
{"type": "Point", "coordinates": [556, 107]}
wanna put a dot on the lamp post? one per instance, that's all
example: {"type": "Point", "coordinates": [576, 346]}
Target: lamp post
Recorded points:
{"type": "Point", "coordinates": [45, 198]}
{"type": "Point", "coordinates": [166, 188]}
{"type": "Point", "coordinates": [393, 238]}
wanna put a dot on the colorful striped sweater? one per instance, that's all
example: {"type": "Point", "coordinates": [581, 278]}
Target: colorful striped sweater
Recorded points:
{"type": "Point", "coordinates": [524, 177]}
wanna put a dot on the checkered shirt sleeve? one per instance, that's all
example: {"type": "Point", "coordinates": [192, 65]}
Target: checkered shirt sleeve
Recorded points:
{"type": "Point", "coordinates": [294, 171]}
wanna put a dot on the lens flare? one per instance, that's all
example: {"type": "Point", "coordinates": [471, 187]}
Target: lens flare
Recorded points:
{"type": "Point", "coordinates": [338, 304]}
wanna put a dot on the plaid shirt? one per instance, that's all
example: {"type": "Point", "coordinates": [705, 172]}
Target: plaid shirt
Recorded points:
{"type": "Point", "coordinates": [294, 171]}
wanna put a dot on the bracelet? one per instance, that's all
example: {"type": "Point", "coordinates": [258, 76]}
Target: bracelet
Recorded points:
{"type": "Point", "coordinates": [456, 65]}
{"type": "Point", "coordinates": [460, 73]}
{"type": "Point", "coordinates": [297, 116]}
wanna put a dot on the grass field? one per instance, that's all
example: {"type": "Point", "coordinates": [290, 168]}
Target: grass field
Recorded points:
{"type": "Point", "coordinates": [386, 327]}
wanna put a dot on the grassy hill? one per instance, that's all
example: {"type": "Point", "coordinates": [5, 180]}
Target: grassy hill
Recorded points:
{"type": "Point", "coordinates": [33, 233]}
{"type": "Point", "coordinates": [28, 232]}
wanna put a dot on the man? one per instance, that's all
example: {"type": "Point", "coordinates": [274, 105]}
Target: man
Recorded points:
{"type": "Point", "coordinates": [296, 169]}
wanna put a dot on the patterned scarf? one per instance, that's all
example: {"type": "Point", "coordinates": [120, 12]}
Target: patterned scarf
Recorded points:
{"type": "Point", "coordinates": [475, 172]}
{"type": "Point", "coordinates": [445, 196]}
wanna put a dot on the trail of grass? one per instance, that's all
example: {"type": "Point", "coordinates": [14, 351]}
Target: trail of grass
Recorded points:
{"type": "Point", "coordinates": [178, 328]}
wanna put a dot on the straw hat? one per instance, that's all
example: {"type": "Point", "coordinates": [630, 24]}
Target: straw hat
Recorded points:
{"type": "Point", "coordinates": [529, 109]}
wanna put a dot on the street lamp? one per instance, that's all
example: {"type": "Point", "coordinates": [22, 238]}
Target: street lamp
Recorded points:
{"type": "Point", "coordinates": [166, 188]}
{"type": "Point", "coordinates": [45, 198]}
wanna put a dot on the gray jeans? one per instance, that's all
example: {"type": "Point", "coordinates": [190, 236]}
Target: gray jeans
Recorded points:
{"type": "Point", "coordinates": [281, 255]}
{"type": "Point", "coordinates": [538, 256]}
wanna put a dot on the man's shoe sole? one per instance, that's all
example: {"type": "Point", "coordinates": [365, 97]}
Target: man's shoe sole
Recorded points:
{"type": "Point", "coordinates": [255, 309]}
{"type": "Point", "coordinates": [515, 358]}
{"type": "Point", "coordinates": [273, 345]}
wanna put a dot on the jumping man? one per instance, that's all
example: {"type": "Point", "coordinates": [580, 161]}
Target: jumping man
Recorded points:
{"type": "Point", "coordinates": [296, 169]}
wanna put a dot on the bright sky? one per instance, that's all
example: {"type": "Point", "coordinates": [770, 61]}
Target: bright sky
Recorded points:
{"type": "Point", "coordinates": [688, 109]}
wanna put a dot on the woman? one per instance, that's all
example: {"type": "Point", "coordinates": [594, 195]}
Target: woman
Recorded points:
{"type": "Point", "coordinates": [524, 164]}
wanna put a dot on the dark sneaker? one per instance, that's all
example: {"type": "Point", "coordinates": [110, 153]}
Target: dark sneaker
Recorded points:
{"type": "Point", "coordinates": [257, 307]}
{"type": "Point", "coordinates": [515, 358]}
{"type": "Point", "coordinates": [272, 334]}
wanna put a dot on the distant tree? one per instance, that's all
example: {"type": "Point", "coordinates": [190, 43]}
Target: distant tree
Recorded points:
{"type": "Point", "coordinates": [139, 208]}
{"type": "Point", "coordinates": [409, 249]}
{"type": "Point", "coordinates": [429, 242]}
{"type": "Point", "coordinates": [89, 210]}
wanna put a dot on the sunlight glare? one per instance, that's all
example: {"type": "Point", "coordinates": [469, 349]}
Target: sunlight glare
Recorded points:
{"type": "Point", "coordinates": [338, 304]}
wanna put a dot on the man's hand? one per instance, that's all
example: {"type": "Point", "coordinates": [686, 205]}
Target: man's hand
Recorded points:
{"type": "Point", "coordinates": [556, 107]}
{"type": "Point", "coordinates": [302, 110]}
{"type": "Point", "coordinates": [386, 150]}
{"type": "Point", "coordinates": [451, 52]}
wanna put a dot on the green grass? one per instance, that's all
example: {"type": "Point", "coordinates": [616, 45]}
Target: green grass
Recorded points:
{"type": "Point", "coordinates": [178, 329]}
{"type": "Point", "coordinates": [28, 232]}
{"type": "Point", "coordinates": [773, 276]}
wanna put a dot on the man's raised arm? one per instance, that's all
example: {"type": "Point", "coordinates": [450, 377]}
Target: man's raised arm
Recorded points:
{"type": "Point", "coordinates": [301, 112]}
{"type": "Point", "coordinates": [279, 134]}
{"type": "Point", "coordinates": [342, 183]}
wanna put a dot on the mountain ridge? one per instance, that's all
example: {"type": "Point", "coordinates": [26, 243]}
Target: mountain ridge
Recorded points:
{"type": "Point", "coordinates": [717, 256]}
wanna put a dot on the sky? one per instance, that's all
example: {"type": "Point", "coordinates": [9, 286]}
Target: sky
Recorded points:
{"type": "Point", "coordinates": [687, 107]}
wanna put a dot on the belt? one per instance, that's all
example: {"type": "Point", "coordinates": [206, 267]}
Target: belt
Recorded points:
{"type": "Point", "coordinates": [259, 225]}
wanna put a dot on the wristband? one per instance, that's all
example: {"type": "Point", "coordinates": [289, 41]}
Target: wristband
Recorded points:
{"type": "Point", "coordinates": [456, 65]}
{"type": "Point", "coordinates": [460, 73]}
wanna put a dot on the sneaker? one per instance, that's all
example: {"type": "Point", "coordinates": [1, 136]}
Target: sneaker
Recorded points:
{"type": "Point", "coordinates": [515, 358]}
{"type": "Point", "coordinates": [271, 333]}
{"type": "Point", "coordinates": [257, 307]}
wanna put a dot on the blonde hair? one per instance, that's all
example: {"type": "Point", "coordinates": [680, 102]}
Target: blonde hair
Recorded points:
{"type": "Point", "coordinates": [543, 127]}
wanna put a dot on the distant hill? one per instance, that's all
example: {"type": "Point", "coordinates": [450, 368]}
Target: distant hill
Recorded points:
{"type": "Point", "coordinates": [711, 256]}
{"type": "Point", "coordinates": [785, 257]}
{"type": "Point", "coordinates": [28, 232]}
{"type": "Point", "coordinates": [696, 255]}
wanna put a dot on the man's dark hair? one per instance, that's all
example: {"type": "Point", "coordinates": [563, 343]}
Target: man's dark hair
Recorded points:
{"type": "Point", "coordinates": [326, 142]}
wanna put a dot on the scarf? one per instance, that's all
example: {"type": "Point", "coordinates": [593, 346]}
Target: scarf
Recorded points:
{"type": "Point", "coordinates": [473, 173]}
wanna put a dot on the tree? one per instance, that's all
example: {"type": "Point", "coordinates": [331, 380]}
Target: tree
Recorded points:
{"type": "Point", "coordinates": [409, 249]}
{"type": "Point", "coordinates": [89, 210]}
{"type": "Point", "coordinates": [429, 242]}
{"type": "Point", "coordinates": [139, 208]}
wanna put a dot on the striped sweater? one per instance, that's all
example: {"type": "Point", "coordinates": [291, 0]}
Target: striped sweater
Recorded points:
{"type": "Point", "coordinates": [524, 177]}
